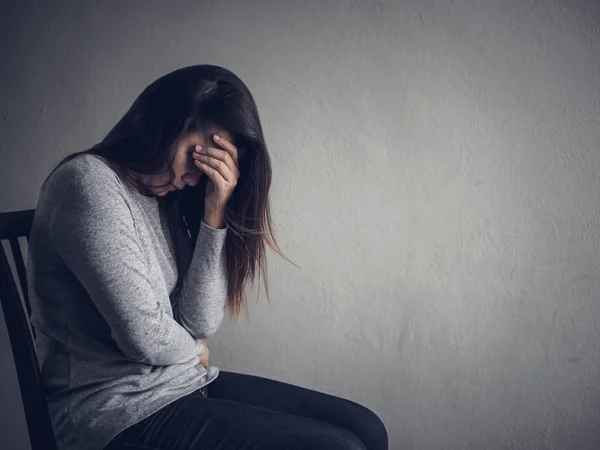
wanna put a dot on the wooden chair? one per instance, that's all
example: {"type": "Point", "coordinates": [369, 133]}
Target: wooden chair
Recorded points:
{"type": "Point", "coordinates": [17, 311]}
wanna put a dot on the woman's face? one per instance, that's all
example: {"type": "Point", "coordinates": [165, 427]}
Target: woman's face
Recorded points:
{"type": "Point", "coordinates": [186, 172]}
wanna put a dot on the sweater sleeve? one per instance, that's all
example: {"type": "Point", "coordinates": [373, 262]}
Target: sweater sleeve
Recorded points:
{"type": "Point", "coordinates": [94, 234]}
{"type": "Point", "coordinates": [200, 303]}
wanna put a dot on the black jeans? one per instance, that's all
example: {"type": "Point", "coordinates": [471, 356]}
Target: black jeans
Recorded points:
{"type": "Point", "coordinates": [248, 412]}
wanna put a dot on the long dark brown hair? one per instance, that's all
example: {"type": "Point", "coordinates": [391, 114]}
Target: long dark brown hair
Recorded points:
{"type": "Point", "coordinates": [189, 100]}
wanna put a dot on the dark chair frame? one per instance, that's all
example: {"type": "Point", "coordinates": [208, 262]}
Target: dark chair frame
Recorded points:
{"type": "Point", "coordinates": [17, 312]}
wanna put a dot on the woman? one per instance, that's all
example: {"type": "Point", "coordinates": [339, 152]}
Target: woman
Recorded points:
{"type": "Point", "coordinates": [138, 246]}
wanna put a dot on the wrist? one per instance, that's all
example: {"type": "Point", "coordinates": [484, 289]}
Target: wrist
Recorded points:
{"type": "Point", "coordinates": [214, 218]}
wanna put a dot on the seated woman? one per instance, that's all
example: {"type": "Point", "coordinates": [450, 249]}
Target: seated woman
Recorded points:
{"type": "Point", "coordinates": [138, 246]}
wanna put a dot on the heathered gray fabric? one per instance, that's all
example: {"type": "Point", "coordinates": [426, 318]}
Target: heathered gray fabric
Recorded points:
{"type": "Point", "coordinates": [116, 339]}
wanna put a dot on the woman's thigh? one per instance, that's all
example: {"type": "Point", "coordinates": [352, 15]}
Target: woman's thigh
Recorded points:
{"type": "Point", "coordinates": [195, 422]}
{"type": "Point", "coordinates": [318, 406]}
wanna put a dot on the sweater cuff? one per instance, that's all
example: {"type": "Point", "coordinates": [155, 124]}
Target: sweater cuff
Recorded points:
{"type": "Point", "coordinates": [216, 234]}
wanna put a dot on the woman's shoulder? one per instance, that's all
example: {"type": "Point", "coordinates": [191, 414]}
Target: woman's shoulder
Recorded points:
{"type": "Point", "coordinates": [85, 171]}
{"type": "Point", "coordinates": [86, 179]}
{"type": "Point", "coordinates": [83, 183]}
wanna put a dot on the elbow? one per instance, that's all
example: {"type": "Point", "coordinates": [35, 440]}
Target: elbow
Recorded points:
{"type": "Point", "coordinates": [205, 328]}
{"type": "Point", "coordinates": [139, 355]}
{"type": "Point", "coordinates": [140, 351]}
{"type": "Point", "coordinates": [209, 329]}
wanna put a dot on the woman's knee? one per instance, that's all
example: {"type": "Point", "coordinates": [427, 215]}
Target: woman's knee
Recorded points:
{"type": "Point", "coordinates": [370, 429]}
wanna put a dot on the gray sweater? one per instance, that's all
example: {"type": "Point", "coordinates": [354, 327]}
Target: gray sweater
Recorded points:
{"type": "Point", "coordinates": [115, 338]}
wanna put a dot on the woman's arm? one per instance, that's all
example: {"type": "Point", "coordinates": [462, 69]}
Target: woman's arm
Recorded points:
{"type": "Point", "coordinates": [93, 232]}
{"type": "Point", "coordinates": [200, 303]}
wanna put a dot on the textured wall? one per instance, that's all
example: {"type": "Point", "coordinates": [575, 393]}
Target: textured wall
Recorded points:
{"type": "Point", "coordinates": [436, 178]}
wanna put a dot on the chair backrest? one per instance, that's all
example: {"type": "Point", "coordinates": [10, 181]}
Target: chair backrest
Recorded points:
{"type": "Point", "coordinates": [17, 311]}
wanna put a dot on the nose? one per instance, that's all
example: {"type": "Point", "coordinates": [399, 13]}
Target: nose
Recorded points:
{"type": "Point", "coordinates": [192, 179]}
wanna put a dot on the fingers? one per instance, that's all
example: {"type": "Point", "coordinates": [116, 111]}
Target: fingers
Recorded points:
{"type": "Point", "coordinates": [212, 173]}
{"type": "Point", "coordinates": [220, 163]}
{"type": "Point", "coordinates": [226, 160]}
{"type": "Point", "coordinates": [228, 153]}
{"type": "Point", "coordinates": [228, 147]}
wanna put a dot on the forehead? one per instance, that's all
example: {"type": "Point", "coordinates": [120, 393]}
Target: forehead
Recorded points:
{"type": "Point", "coordinates": [208, 134]}
{"type": "Point", "coordinates": [205, 138]}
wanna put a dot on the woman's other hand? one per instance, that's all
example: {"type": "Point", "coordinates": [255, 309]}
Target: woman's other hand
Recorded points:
{"type": "Point", "coordinates": [222, 168]}
{"type": "Point", "coordinates": [204, 357]}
